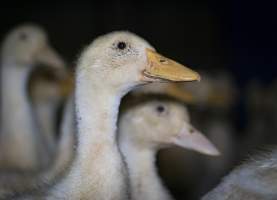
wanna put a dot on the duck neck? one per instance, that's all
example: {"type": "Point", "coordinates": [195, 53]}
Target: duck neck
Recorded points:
{"type": "Point", "coordinates": [18, 127]}
{"type": "Point", "coordinates": [97, 171]}
{"type": "Point", "coordinates": [144, 179]}
{"type": "Point", "coordinates": [96, 115]}
{"type": "Point", "coordinates": [46, 115]}
{"type": "Point", "coordinates": [14, 96]}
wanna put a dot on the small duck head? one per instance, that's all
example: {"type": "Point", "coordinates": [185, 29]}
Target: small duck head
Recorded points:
{"type": "Point", "coordinates": [28, 45]}
{"type": "Point", "coordinates": [157, 124]}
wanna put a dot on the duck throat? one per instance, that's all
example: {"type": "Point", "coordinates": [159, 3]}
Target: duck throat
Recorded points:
{"type": "Point", "coordinates": [17, 122]}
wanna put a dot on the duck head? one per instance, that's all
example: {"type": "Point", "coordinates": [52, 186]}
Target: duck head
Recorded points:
{"type": "Point", "coordinates": [123, 60]}
{"type": "Point", "coordinates": [157, 124]}
{"type": "Point", "coordinates": [28, 45]}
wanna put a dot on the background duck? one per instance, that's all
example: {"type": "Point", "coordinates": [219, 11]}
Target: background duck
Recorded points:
{"type": "Point", "coordinates": [48, 91]}
{"type": "Point", "coordinates": [147, 127]}
{"type": "Point", "coordinates": [211, 104]}
{"type": "Point", "coordinates": [23, 49]}
{"type": "Point", "coordinates": [108, 68]}
{"type": "Point", "coordinates": [255, 179]}
{"type": "Point", "coordinates": [175, 90]}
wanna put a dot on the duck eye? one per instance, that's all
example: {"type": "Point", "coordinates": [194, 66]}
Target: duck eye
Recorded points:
{"type": "Point", "coordinates": [160, 108]}
{"type": "Point", "coordinates": [23, 36]}
{"type": "Point", "coordinates": [121, 45]}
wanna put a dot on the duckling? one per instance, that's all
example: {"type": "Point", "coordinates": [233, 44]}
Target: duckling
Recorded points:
{"type": "Point", "coordinates": [148, 127]}
{"type": "Point", "coordinates": [23, 49]}
{"type": "Point", "coordinates": [255, 180]}
{"type": "Point", "coordinates": [110, 67]}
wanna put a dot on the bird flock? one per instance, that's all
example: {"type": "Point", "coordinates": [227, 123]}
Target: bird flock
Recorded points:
{"type": "Point", "coordinates": [105, 131]}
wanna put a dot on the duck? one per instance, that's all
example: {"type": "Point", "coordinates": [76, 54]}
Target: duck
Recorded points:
{"type": "Point", "coordinates": [216, 89]}
{"type": "Point", "coordinates": [48, 91]}
{"type": "Point", "coordinates": [255, 179]}
{"type": "Point", "coordinates": [108, 68]}
{"type": "Point", "coordinates": [210, 103]}
{"type": "Point", "coordinates": [148, 126]}
{"type": "Point", "coordinates": [24, 48]}
{"type": "Point", "coordinates": [18, 184]}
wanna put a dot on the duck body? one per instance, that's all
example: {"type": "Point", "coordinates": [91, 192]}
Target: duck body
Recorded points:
{"type": "Point", "coordinates": [255, 179]}
{"type": "Point", "coordinates": [19, 185]}
{"type": "Point", "coordinates": [15, 107]}
{"type": "Point", "coordinates": [22, 147]}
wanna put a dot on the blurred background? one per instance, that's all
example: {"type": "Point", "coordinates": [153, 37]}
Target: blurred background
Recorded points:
{"type": "Point", "coordinates": [232, 41]}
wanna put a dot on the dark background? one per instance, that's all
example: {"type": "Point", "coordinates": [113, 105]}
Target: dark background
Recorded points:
{"type": "Point", "coordinates": [234, 35]}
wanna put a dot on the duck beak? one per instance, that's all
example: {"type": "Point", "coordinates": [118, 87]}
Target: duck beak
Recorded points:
{"type": "Point", "coordinates": [160, 67]}
{"type": "Point", "coordinates": [67, 85]}
{"type": "Point", "coordinates": [49, 57]}
{"type": "Point", "coordinates": [218, 99]}
{"type": "Point", "coordinates": [191, 138]}
{"type": "Point", "coordinates": [177, 92]}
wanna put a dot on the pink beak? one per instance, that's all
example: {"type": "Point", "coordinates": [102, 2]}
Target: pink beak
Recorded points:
{"type": "Point", "coordinates": [193, 139]}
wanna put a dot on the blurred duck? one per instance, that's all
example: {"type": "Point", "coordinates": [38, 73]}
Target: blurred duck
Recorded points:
{"type": "Point", "coordinates": [253, 180]}
{"type": "Point", "coordinates": [210, 102]}
{"type": "Point", "coordinates": [110, 67]}
{"type": "Point", "coordinates": [48, 91]}
{"type": "Point", "coordinates": [216, 89]}
{"type": "Point", "coordinates": [174, 90]}
{"type": "Point", "coordinates": [148, 127]}
{"type": "Point", "coordinates": [22, 145]}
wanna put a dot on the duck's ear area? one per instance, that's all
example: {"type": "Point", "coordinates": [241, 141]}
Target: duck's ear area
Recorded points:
{"type": "Point", "coordinates": [48, 56]}
{"type": "Point", "coordinates": [191, 138]}
{"type": "Point", "coordinates": [160, 67]}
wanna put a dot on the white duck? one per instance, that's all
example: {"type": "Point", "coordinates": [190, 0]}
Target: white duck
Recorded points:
{"type": "Point", "coordinates": [210, 102]}
{"type": "Point", "coordinates": [143, 130]}
{"type": "Point", "coordinates": [110, 67]}
{"type": "Point", "coordinates": [22, 147]}
{"type": "Point", "coordinates": [255, 180]}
